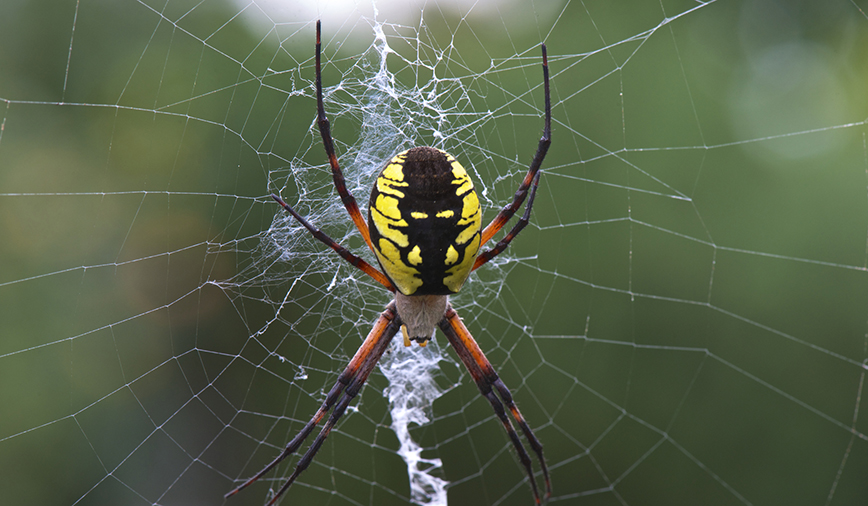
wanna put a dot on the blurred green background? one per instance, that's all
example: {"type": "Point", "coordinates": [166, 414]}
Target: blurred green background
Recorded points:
{"type": "Point", "coordinates": [685, 321]}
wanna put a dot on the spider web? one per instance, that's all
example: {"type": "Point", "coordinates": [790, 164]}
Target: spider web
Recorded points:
{"type": "Point", "coordinates": [683, 322]}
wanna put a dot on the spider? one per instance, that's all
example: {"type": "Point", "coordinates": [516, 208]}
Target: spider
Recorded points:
{"type": "Point", "coordinates": [423, 226]}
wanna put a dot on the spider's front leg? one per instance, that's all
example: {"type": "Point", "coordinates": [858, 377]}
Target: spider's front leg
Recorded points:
{"type": "Point", "coordinates": [530, 182]}
{"type": "Point", "coordinates": [328, 144]}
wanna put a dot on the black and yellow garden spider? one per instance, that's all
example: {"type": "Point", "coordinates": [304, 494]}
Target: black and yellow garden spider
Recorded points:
{"type": "Point", "coordinates": [423, 226]}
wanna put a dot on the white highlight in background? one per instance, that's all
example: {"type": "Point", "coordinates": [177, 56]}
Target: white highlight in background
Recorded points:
{"type": "Point", "coordinates": [343, 16]}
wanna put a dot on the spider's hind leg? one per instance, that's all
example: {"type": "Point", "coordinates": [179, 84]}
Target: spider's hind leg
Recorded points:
{"type": "Point", "coordinates": [486, 379]}
{"type": "Point", "coordinates": [346, 388]}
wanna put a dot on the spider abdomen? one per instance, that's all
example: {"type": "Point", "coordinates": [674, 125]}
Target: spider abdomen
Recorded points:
{"type": "Point", "coordinates": [424, 220]}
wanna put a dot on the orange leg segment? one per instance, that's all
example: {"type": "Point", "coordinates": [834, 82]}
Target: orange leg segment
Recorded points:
{"type": "Point", "coordinates": [485, 377]}
{"type": "Point", "coordinates": [346, 388]}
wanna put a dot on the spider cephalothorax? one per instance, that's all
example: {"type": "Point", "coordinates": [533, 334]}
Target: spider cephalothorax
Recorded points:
{"type": "Point", "coordinates": [423, 226]}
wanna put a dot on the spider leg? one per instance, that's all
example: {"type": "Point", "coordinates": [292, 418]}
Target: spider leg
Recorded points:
{"type": "Point", "coordinates": [351, 391]}
{"type": "Point", "coordinates": [355, 261]}
{"type": "Point", "coordinates": [542, 148]}
{"type": "Point", "coordinates": [349, 384]}
{"type": "Point", "coordinates": [487, 255]}
{"type": "Point", "coordinates": [326, 134]}
{"type": "Point", "coordinates": [488, 393]}
{"type": "Point", "coordinates": [485, 377]}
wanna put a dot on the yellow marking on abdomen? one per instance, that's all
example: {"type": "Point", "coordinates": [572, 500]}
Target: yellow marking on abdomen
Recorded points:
{"type": "Point", "coordinates": [386, 226]}
{"type": "Point", "coordinates": [457, 275]}
{"type": "Point", "coordinates": [457, 169]}
{"type": "Point", "coordinates": [451, 255]}
{"type": "Point", "coordinates": [415, 255]}
{"type": "Point", "coordinates": [388, 207]}
{"type": "Point", "coordinates": [395, 169]}
{"type": "Point", "coordinates": [405, 277]}
{"type": "Point", "coordinates": [390, 187]}
{"type": "Point", "coordinates": [464, 186]}
{"type": "Point", "coordinates": [470, 217]}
